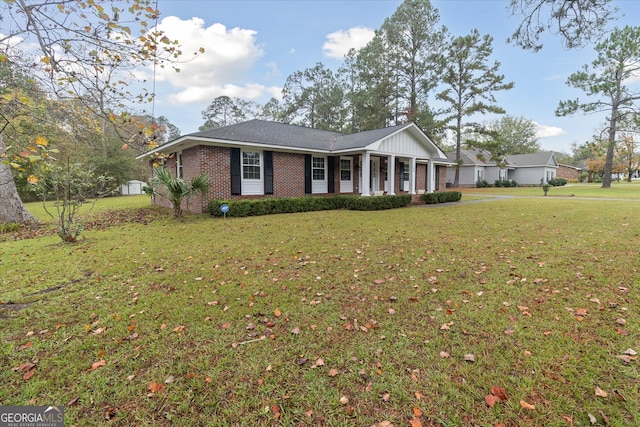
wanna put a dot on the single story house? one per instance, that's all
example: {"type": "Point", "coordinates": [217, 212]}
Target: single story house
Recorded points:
{"type": "Point", "coordinates": [533, 169]}
{"type": "Point", "coordinates": [259, 158]}
{"type": "Point", "coordinates": [477, 165]}
{"type": "Point", "coordinates": [132, 187]}
{"type": "Point", "coordinates": [525, 169]}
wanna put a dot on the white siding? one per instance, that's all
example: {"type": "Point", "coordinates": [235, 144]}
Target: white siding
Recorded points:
{"type": "Point", "coordinates": [403, 144]}
{"type": "Point", "coordinates": [528, 176]}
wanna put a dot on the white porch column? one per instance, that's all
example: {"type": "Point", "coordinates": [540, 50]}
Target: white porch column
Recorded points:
{"type": "Point", "coordinates": [412, 175]}
{"type": "Point", "coordinates": [366, 174]}
{"type": "Point", "coordinates": [431, 177]}
{"type": "Point", "coordinates": [391, 175]}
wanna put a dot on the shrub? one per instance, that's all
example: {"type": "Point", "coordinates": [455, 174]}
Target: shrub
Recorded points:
{"type": "Point", "coordinates": [256, 207]}
{"type": "Point", "coordinates": [482, 184]}
{"type": "Point", "coordinates": [557, 182]}
{"type": "Point", "coordinates": [505, 183]}
{"type": "Point", "coordinates": [441, 197]}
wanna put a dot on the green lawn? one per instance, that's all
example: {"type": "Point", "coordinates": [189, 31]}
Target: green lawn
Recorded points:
{"type": "Point", "coordinates": [621, 190]}
{"type": "Point", "coordinates": [336, 318]}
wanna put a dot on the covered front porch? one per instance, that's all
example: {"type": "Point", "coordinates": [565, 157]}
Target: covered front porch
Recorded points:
{"type": "Point", "coordinates": [389, 174]}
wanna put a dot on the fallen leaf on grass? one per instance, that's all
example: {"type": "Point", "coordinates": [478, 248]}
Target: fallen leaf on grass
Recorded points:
{"type": "Point", "coordinates": [415, 422]}
{"type": "Point", "coordinates": [526, 405]}
{"type": "Point", "coordinates": [169, 379]}
{"type": "Point", "coordinates": [344, 400]}
{"type": "Point", "coordinates": [275, 410]}
{"type": "Point", "coordinates": [469, 357]}
{"type": "Point", "coordinates": [417, 411]}
{"type": "Point", "coordinates": [593, 420]}
{"type": "Point", "coordinates": [491, 400]}
{"type": "Point", "coordinates": [277, 312]}
{"type": "Point", "coordinates": [155, 387]}
{"type": "Point", "coordinates": [499, 392]}
{"type": "Point", "coordinates": [25, 346]}
{"type": "Point", "coordinates": [96, 365]}
{"type": "Point", "coordinates": [333, 372]}
{"type": "Point", "coordinates": [605, 419]}
{"type": "Point", "coordinates": [178, 329]}
{"type": "Point", "coordinates": [600, 392]}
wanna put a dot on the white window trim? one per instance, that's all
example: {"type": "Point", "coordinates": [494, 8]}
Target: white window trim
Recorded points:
{"type": "Point", "coordinates": [252, 186]}
{"type": "Point", "coordinates": [319, 185]}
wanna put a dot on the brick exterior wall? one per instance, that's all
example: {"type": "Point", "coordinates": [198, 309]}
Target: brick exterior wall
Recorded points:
{"type": "Point", "coordinates": [568, 173]}
{"type": "Point", "coordinates": [288, 175]}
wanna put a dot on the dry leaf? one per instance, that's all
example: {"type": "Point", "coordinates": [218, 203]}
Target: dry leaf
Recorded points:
{"type": "Point", "coordinates": [469, 357]}
{"type": "Point", "coordinates": [344, 400]}
{"type": "Point", "coordinates": [25, 346]}
{"type": "Point", "coordinates": [275, 410]}
{"type": "Point", "coordinates": [526, 405]}
{"type": "Point", "coordinates": [600, 392]}
{"type": "Point", "coordinates": [444, 354]}
{"type": "Point", "coordinates": [490, 400]}
{"type": "Point", "coordinates": [499, 392]}
{"type": "Point", "coordinates": [155, 387]}
{"type": "Point", "coordinates": [593, 420]}
{"type": "Point", "coordinates": [96, 365]}
{"type": "Point", "coordinates": [415, 422]}
{"type": "Point", "coordinates": [605, 419]}
{"type": "Point", "coordinates": [417, 411]}
{"type": "Point", "coordinates": [169, 379]}
{"type": "Point", "coordinates": [29, 374]}
{"type": "Point", "coordinates": [333, 372]}
{"type": "Point", "coordinates": [277, 312]}
{"type": "Point", "coordinates": [178, 329]}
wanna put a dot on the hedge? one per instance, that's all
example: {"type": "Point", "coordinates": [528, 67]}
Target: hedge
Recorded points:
{"type": "Point", "coordinates": [441, 197]}
{"type": "Point", "coordinates": [255, 207]}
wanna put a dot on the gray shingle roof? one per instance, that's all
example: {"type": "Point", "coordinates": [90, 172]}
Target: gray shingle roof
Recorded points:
{"type": "Point", "coordinates": [535, 159]}
{"type": "Point", "coordinates": [285, 135]}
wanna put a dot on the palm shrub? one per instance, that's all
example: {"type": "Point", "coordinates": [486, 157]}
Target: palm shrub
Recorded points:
{"type": "Point", "coordinates": [176, 189]}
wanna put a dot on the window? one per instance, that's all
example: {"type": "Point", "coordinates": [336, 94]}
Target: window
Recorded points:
{"type": "Point", "coordinates": [317, 168]}
{"type": "Point", "coordinates": [250, 165]}
{"type": "Point", "coordinates": [179, 172]}
{"type": "Point", "coordinates": [345, 170]}
{"type": "Point", "coordinates": [405, 171]}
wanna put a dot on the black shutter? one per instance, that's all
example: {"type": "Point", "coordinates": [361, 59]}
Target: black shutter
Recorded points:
{"type": "Point", "coordinates": [401, 168]}
{"type": "Point", "coordinates": [307, 173]}
{"type": "Point", "coordinates": [236, 172]}
{"type": "Point", "coordinates": [331, 170]}
{"type": "Point", "coordinates": [268, 172]}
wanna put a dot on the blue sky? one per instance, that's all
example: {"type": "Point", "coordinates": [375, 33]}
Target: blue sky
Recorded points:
{"type": "Point", "coordinates": [251, 47]}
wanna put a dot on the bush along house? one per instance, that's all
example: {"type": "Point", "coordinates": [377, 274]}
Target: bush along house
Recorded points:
{"type": "Point", "coordinates": [258, 159]}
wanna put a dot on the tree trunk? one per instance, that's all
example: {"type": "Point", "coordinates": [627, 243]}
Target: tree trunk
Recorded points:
{"type": "Point", "coordinates": [608, 164]}
{"type": "Point", "coordinates": [11, 207]}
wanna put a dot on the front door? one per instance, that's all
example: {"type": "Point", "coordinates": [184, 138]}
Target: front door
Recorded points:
{"type": "Point", "coordinates": [375, 174]}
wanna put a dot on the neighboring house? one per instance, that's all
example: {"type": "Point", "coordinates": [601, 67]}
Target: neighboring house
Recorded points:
{"type": "Point", "coordinates": [476, 165]}
{"type": "Point", "coordinates": [568, 172]}
{"type": "Point", "coordinates": [533, 169]}
{"type": "Point", "coordinates": [259, 158]}
{"type": "Point", "coordinates": [525, 169]}
{"type": "Point", "coordinates": [132, 188]}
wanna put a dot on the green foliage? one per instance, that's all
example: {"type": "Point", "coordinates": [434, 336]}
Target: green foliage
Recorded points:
{"type": "Point", "coordinates": [545, 188]}
{"type": "Point", "coordinates": [441, 197]}
{"type": "Point", "coordinates": [505, 183]}
{"type": "Point", "coordinates": [482, 183]}
{"type": "Point", "coordinates": [256, 207]}
{"type": "Point", "coordinates": [175, 189]}
{"type": "Point", "coordinates": [557, 182]}
{"type": "Point", "coordinates": [71, 185]}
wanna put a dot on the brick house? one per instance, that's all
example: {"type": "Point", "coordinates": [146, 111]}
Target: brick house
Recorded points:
{"type": "Point", "coordinates": [257, 159]}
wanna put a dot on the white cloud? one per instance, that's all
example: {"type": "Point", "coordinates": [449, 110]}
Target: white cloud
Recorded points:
{"type": "Point", "coordinates": [543, 131]}
{"type": "Point", "coordinates": [229, 54]}
{"type": "Point", "coordinates": [340, 42]}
